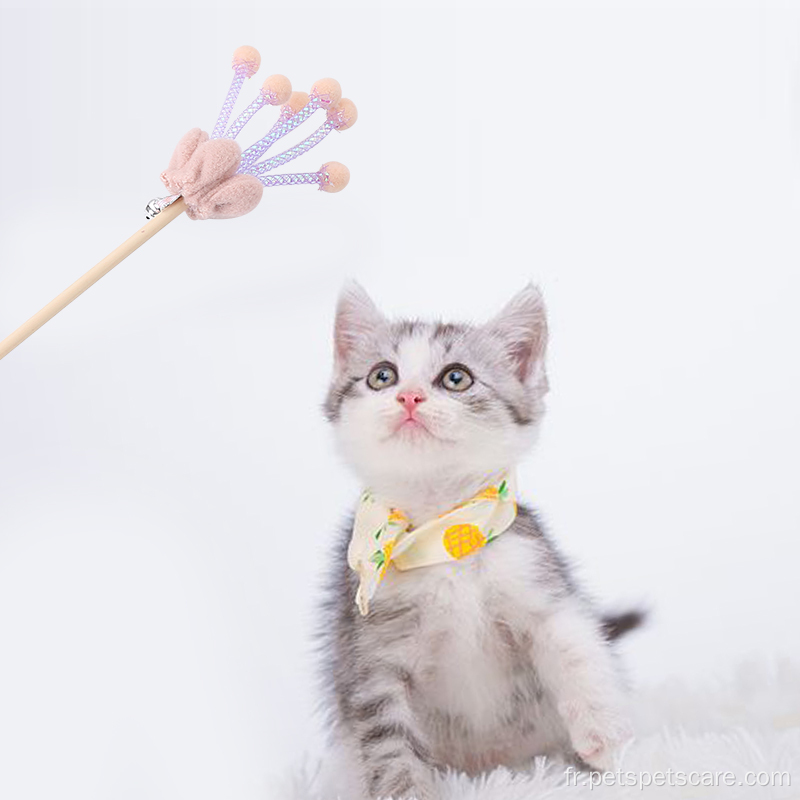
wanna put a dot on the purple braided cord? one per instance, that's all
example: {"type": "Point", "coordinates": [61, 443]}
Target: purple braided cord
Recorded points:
{"type": "Point", "coordinates": [291, 180]}
{"type": "Point", "coordinates": [293, 152]}
{"type": "Point", "coordinates": [230, 102]}
{"type": "Point", "coordinates": [246, 115]}
{"type": "Point", "coordinates": [283, 126]}
{"type": "Point", "coordinates": [277, 124]}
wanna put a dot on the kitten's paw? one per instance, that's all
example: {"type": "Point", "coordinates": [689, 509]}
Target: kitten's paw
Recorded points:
{"type": "Point", "coordinates": [597, 752]}
{"type": "Point", "coordinates": [597, 736]}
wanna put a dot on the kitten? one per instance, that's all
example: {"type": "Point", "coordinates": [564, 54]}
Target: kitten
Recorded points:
{"type": "Point", "coordinates": [486, 661]}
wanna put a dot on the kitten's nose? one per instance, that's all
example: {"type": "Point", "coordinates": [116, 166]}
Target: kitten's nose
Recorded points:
{"type": "Point", "coordinates": [410, 399]}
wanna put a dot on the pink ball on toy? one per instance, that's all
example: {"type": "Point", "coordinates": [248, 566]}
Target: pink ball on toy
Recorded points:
{"type": "Point", "coordinates": [247, 60]}
{"type": "Point", "coordinates": [335, 177]}
{"type": "Point", "coordinates": [343, 115]}
{"type": "Point", "coordinates": [328, 90]}
{"type": "Point", "coordinates": [276, 90]}
{"type": "Point", "coordinates": [297, 100]}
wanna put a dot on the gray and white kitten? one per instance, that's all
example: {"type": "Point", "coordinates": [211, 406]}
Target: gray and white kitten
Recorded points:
{"type": "Point", "coordinates": [487, 661]}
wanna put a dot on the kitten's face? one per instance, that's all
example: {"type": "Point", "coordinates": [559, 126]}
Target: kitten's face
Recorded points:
{"type": "Point", "coordinates": [413, 400]}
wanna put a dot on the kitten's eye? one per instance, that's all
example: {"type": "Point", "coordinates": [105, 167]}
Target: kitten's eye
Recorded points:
{"type": "Point", "coordinates": [456, 378]}
{"type": "Point", "coordinates": [381, 376]}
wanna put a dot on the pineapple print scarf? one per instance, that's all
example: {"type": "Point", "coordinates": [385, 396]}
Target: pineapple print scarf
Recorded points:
{"type": "Point", "coordinates": [382, 535]}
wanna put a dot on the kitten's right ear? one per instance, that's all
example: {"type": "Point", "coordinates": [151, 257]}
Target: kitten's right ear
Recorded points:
{"type": "Point", "coordinates": [356, 318]}
{"type": "Point", "coordinates": [522, 325]}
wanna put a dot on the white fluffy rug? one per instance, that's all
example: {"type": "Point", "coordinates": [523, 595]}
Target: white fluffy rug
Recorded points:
{"type": "Point", "coordinates": [734, 732]}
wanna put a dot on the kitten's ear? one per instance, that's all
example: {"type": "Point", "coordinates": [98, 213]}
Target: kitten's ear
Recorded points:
{"type": "Point", "coordinates": [522, 325]}
{"type": "Point", "coordinates": [356, 318]}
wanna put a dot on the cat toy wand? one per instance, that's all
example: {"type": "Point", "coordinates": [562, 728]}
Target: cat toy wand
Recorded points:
{"type": "Point", "coordinates": [210, 177]}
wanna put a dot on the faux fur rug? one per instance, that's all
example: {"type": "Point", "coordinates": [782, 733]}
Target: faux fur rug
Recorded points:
{"type": "Point", "coordinates": [732, 732]}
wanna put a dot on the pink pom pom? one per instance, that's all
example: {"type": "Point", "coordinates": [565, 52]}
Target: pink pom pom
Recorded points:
{"type": "Point", "coordinates": [276, 89]}
{"type": "Point", "coordinates": [343, 115]}
{"type": "Point", "coordinates": [246, 59]}
{"type": "Point", "coordinates": [328, 91]}
{"type": "Point", "coordinates": [335, 177]}
{"type": "Point", "coordinates": [297, 100]}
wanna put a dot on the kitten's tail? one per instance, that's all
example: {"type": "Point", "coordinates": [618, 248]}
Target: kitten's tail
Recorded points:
{"type": "Point", "coordinates": [615, 625]}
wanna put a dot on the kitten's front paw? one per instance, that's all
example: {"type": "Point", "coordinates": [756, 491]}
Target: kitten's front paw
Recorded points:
{"type": "Point", "coordinates": [597, 751]}
{"type": "Point", "coordinates": [597, 736]}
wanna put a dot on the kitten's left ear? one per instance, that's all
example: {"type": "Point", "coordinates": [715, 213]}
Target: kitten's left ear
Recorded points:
{"type": "Point", "coordinates": [522, 325]}
{"type": "Point", "coordinates": [357, 317]}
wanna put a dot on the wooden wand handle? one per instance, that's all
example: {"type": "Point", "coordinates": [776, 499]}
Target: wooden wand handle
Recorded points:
{"type": "Point", "coordinates": [92, 276]}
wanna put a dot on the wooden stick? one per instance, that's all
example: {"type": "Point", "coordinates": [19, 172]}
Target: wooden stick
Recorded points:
{"type": "Point", "coordinates": [92, 276]}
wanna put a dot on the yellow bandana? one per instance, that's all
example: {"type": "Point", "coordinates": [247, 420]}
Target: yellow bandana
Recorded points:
{"type": "Point", "coordinates": [382, 535]}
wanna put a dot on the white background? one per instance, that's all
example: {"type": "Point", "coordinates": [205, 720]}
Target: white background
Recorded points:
{"type": "Point", "coordinates": [168, 488]}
